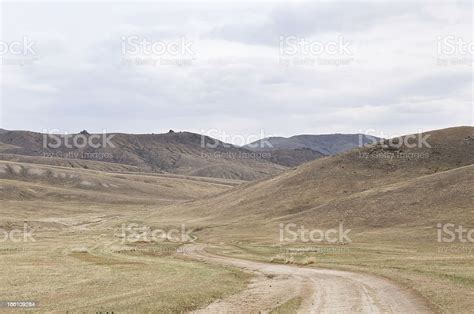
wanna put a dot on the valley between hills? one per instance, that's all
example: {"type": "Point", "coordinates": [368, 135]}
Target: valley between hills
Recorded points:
{"type": "Point", "coordinates": [166, 222]}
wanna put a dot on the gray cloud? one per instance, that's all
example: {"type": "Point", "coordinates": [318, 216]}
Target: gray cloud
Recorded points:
{"type": "Point", "coordinates": [304, 19]}
{"type": "Point", "coordinates": [236, 81]}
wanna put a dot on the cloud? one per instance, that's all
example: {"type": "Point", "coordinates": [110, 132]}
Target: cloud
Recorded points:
{"type": "Point", "coordinates": [309, 19]}
{"type": "Point", "coordinates": [236, 80]}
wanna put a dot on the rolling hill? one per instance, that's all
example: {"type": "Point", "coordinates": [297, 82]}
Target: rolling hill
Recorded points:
{"type": "Point", "coordinates": [390, 195]}
{"type": "Point", "coordinates": [174, 152]}
{"type": "Point", "coordinates": [380, 186]}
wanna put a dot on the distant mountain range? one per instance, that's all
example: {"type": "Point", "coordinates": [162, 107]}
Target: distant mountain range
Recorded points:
{"type": "Point", "coordinates": [298, 149]}
{"type": "Point", "coordinates": [175, 152]}
{"type": "Point", "coordinates": [327, 144]}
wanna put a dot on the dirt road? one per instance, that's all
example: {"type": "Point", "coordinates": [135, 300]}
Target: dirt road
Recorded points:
{"type": "Point", "coordinates": [320, 290]}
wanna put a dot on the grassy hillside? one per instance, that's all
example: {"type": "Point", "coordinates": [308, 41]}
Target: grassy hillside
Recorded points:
{"type": "Point", "coordinates": [338, 177]}
{"type": "Point", "coordinates": [77, 261]}
{"type": "Point", "coordinates": [20, 181]}
{"type": "Point", "coordinates": [392, 198]}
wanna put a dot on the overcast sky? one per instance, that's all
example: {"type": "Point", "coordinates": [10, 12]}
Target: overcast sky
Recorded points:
{"type": "Point", "coordinates": [275, 68]}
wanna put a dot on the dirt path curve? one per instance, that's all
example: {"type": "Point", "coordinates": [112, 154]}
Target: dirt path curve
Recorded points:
{"type": "Point", "coordinates": [321, 290]}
